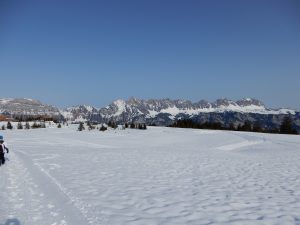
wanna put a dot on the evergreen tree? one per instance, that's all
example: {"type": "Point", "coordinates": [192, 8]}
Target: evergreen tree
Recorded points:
{"type": "Point", "coordinates": [239, 128]}
{"type": "Point", "coordinates": [231, 126]}
{"type": "Point", "coordinates": [35, 125]}
{"type": "Point", "coordinates": [103, 128]}
{"type": "Point", "coordinates": [247, 126]}
{"type": "Point", "coordinates": [88, 123]}
{"type": "Point", "coordinates": [257, 127]}
{"type": "Point", "coordinates": [20, 126]}
{"type": "Point", "coordinates": [90, 126]}
{"type": "Point", "coordinates": [3, 127]}
{"type": "Point", "coordinates": [9, 125]}
{"type": "Point", "coordinates": [27, 126]}
{"type": "Point", "coordinates": [286, 126]}
{"type": "Point", "coordinates": [81, 126]}
{"type": "Point", "coordinates": [112, 124]}
{"type": "Point", "coordinates": [59, 125]}
{"type": "Point", "coordinates": [142, 126]}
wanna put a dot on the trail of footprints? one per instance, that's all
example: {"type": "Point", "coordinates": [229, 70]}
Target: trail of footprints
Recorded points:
{"type": "Point", "coordinates": [24, 200]}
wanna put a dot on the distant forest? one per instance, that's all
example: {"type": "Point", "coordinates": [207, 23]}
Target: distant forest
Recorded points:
{"type": "Point", "coordinates": [286, 127]}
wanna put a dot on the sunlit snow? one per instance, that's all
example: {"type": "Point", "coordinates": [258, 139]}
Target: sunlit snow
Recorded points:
{"type": "Point", "coordinates": [154, 176]}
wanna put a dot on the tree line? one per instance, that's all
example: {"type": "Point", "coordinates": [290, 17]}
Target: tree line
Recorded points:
{"type": "Point", "coordinates": [26, 126]}
{"type": "Point", "coordinates": [287, 126]}
{"type": "Point", "coordinates": [111, 124]}
{"type": "Point", "coordinates": [32, 118]}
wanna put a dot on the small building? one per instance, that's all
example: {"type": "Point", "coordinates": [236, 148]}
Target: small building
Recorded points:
{"type": "Point", "coordinates": [5, 118]}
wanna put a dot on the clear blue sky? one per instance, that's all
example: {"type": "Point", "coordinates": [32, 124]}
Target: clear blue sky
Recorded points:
{"type": "Point", "coordinates": [93, 52]}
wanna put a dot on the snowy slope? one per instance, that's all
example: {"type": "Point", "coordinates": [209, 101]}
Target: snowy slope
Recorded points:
{"type": "Point", "coordinates": [157, 176]}
{"type": "Point", "coordinates": [26, 106]}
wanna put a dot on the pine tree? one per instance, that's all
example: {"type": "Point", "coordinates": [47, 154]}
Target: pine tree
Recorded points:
{"type": "Point", "coordinates": [88, 123]}
{"type": "Point", "coordinates": [287, 126]}
{"type": "Point", "coordinates": [247, 126]}
{"type": "Point", "coordinates": [103, 128]}
{"type": "Point", "coordinates": [35, 125]}
{"type": "Point", "coordinates": [257, 127]}
{"type": "Point", "coordinates": [81, 126]}
{"type": "Point", "coordinates": [3, 127]}
{"type": "Point", "coordinates": [239, 128]}
{"type": "Point", "coordinates": [231, 126]}
{"type": "Point", "coordinates": [27, 126]}
{"type": "Point", "coordinates": [20, 126]}
{"type": "Point", "coordinates": [59, 125]}
{"type": "Point", "coordinates": [90, 126]}
{"type": "Point", "coordinates": [9, 126]}
{"type": "Point", "coordinates": [112, 124]}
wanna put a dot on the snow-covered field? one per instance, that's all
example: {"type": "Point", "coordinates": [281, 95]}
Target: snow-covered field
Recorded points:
{"type": "Point", "coordinates": [156, 176]}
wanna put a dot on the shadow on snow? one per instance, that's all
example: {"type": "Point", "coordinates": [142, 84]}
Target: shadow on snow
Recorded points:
{"type": "Point", "coordinates": [12, 222]}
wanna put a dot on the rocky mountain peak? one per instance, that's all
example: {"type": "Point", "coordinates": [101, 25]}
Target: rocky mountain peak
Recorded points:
{"type": "Point", "coordinates": [224, 102]}
{"type": "Point", "coordinates": [249, 101]}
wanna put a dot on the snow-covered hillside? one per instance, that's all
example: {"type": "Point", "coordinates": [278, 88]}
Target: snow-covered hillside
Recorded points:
{"type": "Point", "coordinates": [26, 106]}
{"type": "Point", "coordinates": [157, 176]}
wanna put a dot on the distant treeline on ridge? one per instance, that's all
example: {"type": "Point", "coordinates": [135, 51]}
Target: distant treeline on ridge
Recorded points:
{"type": "Point", "coordinates": [286, 127]}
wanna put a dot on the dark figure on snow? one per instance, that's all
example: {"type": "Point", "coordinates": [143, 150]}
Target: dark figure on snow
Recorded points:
{"type": "Point", "coordinates": [3, 148]}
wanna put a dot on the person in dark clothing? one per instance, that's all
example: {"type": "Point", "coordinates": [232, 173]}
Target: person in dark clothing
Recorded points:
{"type": "Point", "coordinates": [2, 158]}
{"type": "Point", "coordinates": [3, 148]}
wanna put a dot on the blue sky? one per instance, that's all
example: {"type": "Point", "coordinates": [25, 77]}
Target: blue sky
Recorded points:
{"type": "Point", "coordinates": [93, 52]}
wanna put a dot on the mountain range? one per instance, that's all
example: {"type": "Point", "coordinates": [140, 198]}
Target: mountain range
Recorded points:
{"type": "Point", "coordinates": [161, 112]}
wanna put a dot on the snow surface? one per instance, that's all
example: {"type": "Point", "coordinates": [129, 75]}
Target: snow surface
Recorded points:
{"type": "Point", "coordinates": [156, 176]}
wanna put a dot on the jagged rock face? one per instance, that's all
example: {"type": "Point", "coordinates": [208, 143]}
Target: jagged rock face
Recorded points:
{"type": "Point", "coordinates": [223, 102]}
{"type": "Point", "coordinates": [161, 112]}
{"type": "Point", "coordinates": [165, 111]}
{"type": "Point", "coordinates": [202, 104]}
{"type": "Point", "coordinates": [174, 107]}
{"type": "Point", "coordinates": [248, 102]}
{"type": "Point", "coordinates": [24, 106]}
{"type": "Point", "coordinates": [81, 112]}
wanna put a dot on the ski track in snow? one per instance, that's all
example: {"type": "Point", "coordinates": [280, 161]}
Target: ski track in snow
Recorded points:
{"type": "Point", "coordinates": [158, 176]}
{"type": "Point", "coordinates": [55, 190]}
{"type": "Point", "coordinates": [22, 193]}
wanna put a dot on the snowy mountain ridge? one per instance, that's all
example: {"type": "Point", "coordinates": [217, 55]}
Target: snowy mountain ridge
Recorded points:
{"type": "Point", "coordinates": [153, 107]}
{"type": "Point", "coordinates": [162, 112]}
